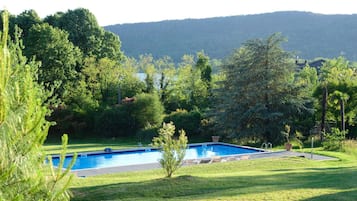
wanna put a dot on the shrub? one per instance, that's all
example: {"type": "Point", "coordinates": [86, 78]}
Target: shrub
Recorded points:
{"type": "Point", "coordinates": [115, 122]}
{"type": "Point", "coordinates": [188, 121]}
{"type": "Point", "coordinates": [173, 150]}
{"type": "Point", "coordinates": [147, 110]}
{"type": "Point", "coordinates": [333, 141]}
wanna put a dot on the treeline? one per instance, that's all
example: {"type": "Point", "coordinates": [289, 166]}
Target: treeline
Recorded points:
{"type": "Point", "coordinates": [310, 35]}
{"type": "Point", "coordinates": [253, 95]}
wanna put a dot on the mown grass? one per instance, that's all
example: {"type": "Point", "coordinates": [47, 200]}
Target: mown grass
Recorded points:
{"type": "Point", "coordinates": [261, 179]}
{"type": "Point", "coordinates": [78, 146]}
{"type": "Point", "coordinates": [264, 179]}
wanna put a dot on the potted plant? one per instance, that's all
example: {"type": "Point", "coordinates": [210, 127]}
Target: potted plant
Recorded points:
{"type": "Point", "coordinates": [286, 134]}
{"type": "Point", "coordinates": [215, 138]}
{"type": "Point", "coordinates": [296, 138]}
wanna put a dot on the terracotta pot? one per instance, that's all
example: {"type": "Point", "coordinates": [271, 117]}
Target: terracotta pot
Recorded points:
{"type": "Point", "coordinates": [215, 138]}
{"type": "Point", "coordinates": [288, 146]}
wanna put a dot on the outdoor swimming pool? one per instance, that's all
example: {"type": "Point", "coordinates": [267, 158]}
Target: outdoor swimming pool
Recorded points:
{"type": "Point", "coordinates": [147, 155]}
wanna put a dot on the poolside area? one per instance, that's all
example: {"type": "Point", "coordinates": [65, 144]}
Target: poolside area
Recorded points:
{"type": "Point", "coordinates": [214, 159]}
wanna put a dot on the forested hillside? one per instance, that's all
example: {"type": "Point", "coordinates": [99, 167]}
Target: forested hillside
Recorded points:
{"type": "Point", "coordinates": [309, 35]}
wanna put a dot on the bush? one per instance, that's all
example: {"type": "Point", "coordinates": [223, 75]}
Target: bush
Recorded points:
{"type": "Point", "coordinates": [147, 110]}
{"type": "Point", "coordinates": [188, 121]}
{"type": "Point", "coordinates": [126, 119]}
{"type": "Point", "coordinates": [173, 151]}
{"type": "Point", "coordinates": [333, 141]}
{"type": "Point", "coordinates": [115, 122]}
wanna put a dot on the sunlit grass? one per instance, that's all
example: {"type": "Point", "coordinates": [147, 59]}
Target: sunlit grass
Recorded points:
{"type": "Point", "coordinates": [79, 146]}
{"type": "Point", "coordinates": [263, 179]}
{"type": "Point", "coordinates": [260, 179]}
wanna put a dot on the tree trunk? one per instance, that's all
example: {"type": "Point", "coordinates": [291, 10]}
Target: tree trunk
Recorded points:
{"type": "Point", "coordinates": [342, 111]}
{"type": "Point", "coordinates": [323, 112]}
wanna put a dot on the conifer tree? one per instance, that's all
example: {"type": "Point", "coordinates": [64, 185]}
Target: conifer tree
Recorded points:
{"type": "Point", "coordinates": [23, 129]}
{"type": "Point", "coordinates": [258, 98]}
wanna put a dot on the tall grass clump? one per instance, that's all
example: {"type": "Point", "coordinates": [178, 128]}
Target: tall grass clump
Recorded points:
{"type": "Point", "coordinates": [350, 147]}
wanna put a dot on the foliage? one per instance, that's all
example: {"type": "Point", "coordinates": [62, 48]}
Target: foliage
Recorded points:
{"type": "Point", "coordinates": [188, 89]}
{"type": "Point", "coordinates": [188, 121]}
{"type": "Point", "coordinates": [333, 140]}
{"type": "Point", "coordinates": [115, 122]}
{"type": "Point", "coordinates": [129, 83]}
{"type": "Point", "coordinates": [23, 129]}
{"type": "Point", "coordinates": [58, 56]}
{"type": "Point", "coordinates": [339, 82]}
{"type": "Point", "coordinates": [292, 137]}
{"type": "Point", "coordinates": [258, 97]}
{"type": "Point", "coordinates": [173, 150]}
{"type": "Point", "coordinates": [85, 33]}
{"type": "Point", "coordinates": [147, 110]}
{"type": "Point", "coordinates": [102, 77]}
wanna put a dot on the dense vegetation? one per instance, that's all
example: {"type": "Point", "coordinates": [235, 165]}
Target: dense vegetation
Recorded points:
{"type": "Point", "coordinates": [251, 96]}
{"type": "Point", "coordinates": [24, 128]}
{"type": "Point", "coordinates": [74, 73]}
{"type": "Point", "coordinates": [310, 35]}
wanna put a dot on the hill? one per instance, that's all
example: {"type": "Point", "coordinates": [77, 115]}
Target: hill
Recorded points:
{"type": "Point", "coordinates": [309, 35]}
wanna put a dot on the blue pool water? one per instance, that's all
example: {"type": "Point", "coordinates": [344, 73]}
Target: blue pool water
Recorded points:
{"type": "Point", "coordinates": [145, 156]}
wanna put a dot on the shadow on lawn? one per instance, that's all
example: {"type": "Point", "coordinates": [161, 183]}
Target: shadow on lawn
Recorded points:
{"type": "Point", "coordinates": [191, 187]}
{"type": "Point", "coordinates": [345, 195]}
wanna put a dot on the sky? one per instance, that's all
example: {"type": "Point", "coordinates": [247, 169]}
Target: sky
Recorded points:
{"type": "Point", "coordinates": [109, 12]}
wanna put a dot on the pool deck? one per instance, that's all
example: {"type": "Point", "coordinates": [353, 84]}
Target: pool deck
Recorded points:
{"type": "Point", "coordinates": [268, 154]}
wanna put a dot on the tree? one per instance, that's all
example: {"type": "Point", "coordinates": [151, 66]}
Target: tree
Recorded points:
{"type": "Point", "coordinates": [102, 77]}
{"type": "Point", "coordinates": [205, 68]}
{"type": "Point", "coordinates": [129, 83]}
{"type": "Point", "coordinates": [257, 98]}
{"type": "Point", "coordinates": [188, 90]}
{"type": "Point", "coordinates": [58, 56]}
{"type": "Point", "coordinates": [167, 71]}
{"type": "Point", "coordinates": [173, 151]}
{"type": "Point", "coordinates": [23, 129]}
{"type": "Point", "coordinates": [85, 33]}
{"type": "Point", "coordinates": [339, 79]}
{"type": "Point", "coordinates": [146, 64]}
{"type": "Point", "coordinates": [24, 21]}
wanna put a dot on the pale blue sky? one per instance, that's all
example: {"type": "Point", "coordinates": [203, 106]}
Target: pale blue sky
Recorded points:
{"type": "Point", "coordinates": [110, 12]}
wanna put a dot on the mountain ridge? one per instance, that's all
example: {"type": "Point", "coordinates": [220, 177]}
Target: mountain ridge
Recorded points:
{"type": "Point", "coordinates": [309, 35]}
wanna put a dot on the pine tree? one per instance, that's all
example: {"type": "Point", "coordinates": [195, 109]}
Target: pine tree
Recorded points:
{"type": "Point", "coordinates": [23, 129]}
{"type": "Point", "coordinates": [257, 97]}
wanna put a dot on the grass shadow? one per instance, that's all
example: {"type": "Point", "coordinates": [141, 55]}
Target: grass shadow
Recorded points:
{"type": "Point", "coordinates": [191, 187]}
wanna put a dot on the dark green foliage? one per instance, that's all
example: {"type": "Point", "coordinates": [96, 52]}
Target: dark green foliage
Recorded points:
{"type": "Point", "coordinates": [85, 33]}
{"type": "Point", "coordinates": [258, 98]}
{"type": "Point", "coordinates": [24, 21]}
{"type": "Point", "coordinates": [115, 122]}
{"type": "Point", "coordinates": [147, 110]}
{"type": "Point", "coordinates": [310, 35]}
{"type": "Point", "coordinates": [58, 56]}
{"type": "Point", "coordinates": [188, 121]}
{"type": "Point", "coordinates": [334, 139]}
{"type": "Point", "coordinates": [142, 113]}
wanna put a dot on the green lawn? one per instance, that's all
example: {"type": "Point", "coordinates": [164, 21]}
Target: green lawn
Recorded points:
{"type": "Point", "coordinates": [54, 146]}
{"type": "Point", "coordinates": [262, 179]}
